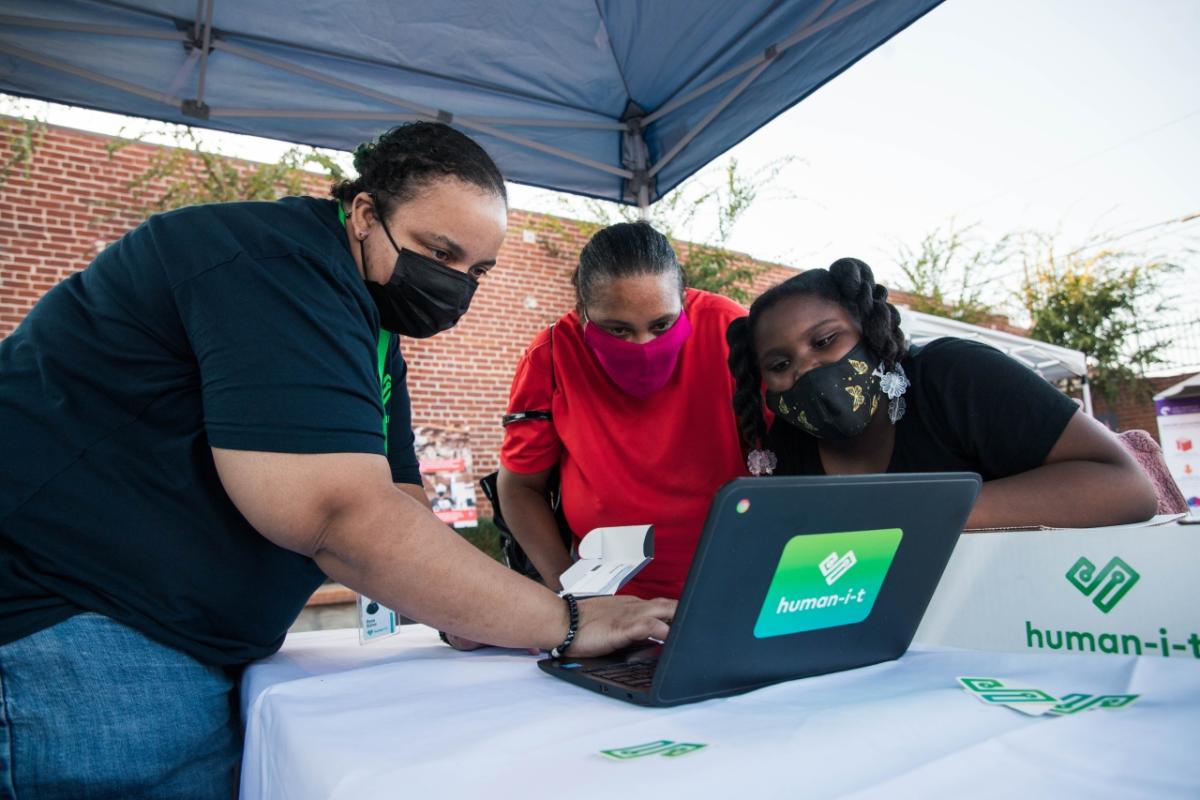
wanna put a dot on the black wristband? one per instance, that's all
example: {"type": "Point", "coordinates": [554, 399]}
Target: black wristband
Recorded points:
{"type": "Point", "coordinates": [572, 626]}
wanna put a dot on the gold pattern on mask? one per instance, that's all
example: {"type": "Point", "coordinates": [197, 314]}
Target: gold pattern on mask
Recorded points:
{"type": "Point", "coordinates": [859, 366]}
{"type": "Point", "coordinates": [857, 393]}
{"type": "Point", "coordinates": [808, 426]}
{"type": "Point", "coordinates": [874, 403]}
{"type": "Point", "coordinates": [783, 407]}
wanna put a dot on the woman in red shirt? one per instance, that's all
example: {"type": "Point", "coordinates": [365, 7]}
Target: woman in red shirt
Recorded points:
{"type": "Point", "coordinates": [632, 402]}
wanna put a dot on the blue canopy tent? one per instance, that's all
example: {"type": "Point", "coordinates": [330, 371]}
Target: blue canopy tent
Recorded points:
{"type": "Point", "coordinates": [615, 99]}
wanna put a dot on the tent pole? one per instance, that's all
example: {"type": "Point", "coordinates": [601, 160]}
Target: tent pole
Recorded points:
{"type": "Point", "coordinates": [205, 46]}
{"type": "Point", "coordinates": [635, 155]}
{"type": "Point", "coordinates": [709, 117]}
{"type": "Point", "coordinates": [9, 20]}
{"type": "Point", "coordinates": [313, 113]}
{"type": "Point", "coordinates": [304, 72]}
{"type": "Point", "coordinates": [78, 72]}
{"type": "Point", "coordinates": [611, 125]}
{"type": "Point", "coordinates": [1087, 397]}
{"type": "Point", "coordinates": [470, 124]}
{"type": "Point", "coordinates": [424, 111]}
{"type": "Point", "coordinates": [756, 66]}
{"type": "Point", "coordinates": [306, 113]}
{"type": "Point", "coordinates": [196, 108]}
{"type": "Point", "coordinates": [184, 72]}
{"type": "Point", "coordinates": [809, 27]}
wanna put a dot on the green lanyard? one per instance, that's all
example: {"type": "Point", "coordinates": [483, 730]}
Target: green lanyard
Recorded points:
{"type": "Point", "coordinates": [385, 381]}
{"type": "Point", "coordinates": [381, 351]}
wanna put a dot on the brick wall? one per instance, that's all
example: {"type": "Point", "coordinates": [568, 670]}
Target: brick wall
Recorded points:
{"type": "Point", "coordinates": [56, 215]}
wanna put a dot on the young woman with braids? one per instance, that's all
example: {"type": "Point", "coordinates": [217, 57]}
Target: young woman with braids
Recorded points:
{"type": "Point", "coordinates": [628, 395]}
{"type": "Point", "coordinates": [850, 396]}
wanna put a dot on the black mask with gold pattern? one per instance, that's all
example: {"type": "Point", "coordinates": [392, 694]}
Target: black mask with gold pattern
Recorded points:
{"type": "Point", "coordinates": [835, 401]}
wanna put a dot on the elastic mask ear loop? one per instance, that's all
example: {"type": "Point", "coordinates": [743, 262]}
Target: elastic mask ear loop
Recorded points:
{"type": "Point", "coordinates": [383, 224]}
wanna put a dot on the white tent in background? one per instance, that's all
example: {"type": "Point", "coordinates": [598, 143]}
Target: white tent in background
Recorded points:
{"type": "Point", "coordinates": [1052, 362]}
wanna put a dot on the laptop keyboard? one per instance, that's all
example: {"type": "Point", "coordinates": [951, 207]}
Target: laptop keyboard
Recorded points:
{"type": "Point", "coordinates": [634, 674]}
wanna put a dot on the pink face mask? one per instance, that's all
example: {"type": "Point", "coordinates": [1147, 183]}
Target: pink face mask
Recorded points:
{"type": "Point", "coordinates": [639, 369]}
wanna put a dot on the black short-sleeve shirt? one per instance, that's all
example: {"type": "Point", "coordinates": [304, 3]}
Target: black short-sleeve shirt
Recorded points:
{"type": "Point", "coordinates": [243, 326]}
{"type": "Point", "coordinates": [969, 407]}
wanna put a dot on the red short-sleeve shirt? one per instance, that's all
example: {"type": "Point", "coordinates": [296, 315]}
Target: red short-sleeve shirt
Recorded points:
{"type": "Point", "coordinates": [626, 461]}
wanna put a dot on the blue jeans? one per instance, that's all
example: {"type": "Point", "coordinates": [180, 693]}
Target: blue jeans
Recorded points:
{"type": "Point", "coordinates": [90, 708]}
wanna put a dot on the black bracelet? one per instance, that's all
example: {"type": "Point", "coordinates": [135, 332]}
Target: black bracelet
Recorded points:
{"type": "Point", "coordinates": [572, 626]}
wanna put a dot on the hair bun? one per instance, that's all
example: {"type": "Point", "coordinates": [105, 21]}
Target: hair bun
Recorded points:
{"type": "Point", "coordinates": [855, 282]}
{"type": "Point", "coordinates": [399, 161]}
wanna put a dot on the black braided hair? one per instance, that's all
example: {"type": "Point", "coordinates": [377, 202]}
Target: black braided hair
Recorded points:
{"type": "Point", "coordinates": [867, 303]}
{"type": "Point", "coordinates": [621, 251]}
{"type": "Point", "coordinates": [405, 159]}
{"type": "Point", "coordinates": [747, 383]}
{"type": "Point", "coordinates": [848, 282]}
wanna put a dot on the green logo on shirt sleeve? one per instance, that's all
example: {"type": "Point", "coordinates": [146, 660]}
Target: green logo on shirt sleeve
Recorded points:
{"type": "Point", "coordinates": [826, 579]}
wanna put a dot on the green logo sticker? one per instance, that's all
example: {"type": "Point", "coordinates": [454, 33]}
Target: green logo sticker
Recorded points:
{"type": "Point", "coordinates": [1036, 702]}
{"type": "Point", "coordinates": [663, 747]}
{"type": "Point", "coordinates": [801, 596]}
{"type": "Point", "coordinates": [1076, 702]}
{"type": "Point", "coordinates": [1113, 582]}
{"type": "Point", "coordinates": [994, 691]}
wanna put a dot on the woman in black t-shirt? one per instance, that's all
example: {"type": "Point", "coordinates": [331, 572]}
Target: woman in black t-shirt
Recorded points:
{"type": "Point", "coordinates": [849, 396]}
{"type": "Point", "coordinates": [194, 433]}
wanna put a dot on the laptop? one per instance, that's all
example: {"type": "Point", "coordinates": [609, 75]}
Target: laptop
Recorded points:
{"type": "Point", "coordinates": [794, 576]}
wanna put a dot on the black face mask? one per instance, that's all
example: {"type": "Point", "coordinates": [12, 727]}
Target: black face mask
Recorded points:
{"type": "Point", "coordinates": [835, 401]}
{"type": "Point", "coordinates": [422, 297]}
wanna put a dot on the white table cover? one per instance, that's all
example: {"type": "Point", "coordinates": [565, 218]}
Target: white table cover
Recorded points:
{"type": "Point", "coordinates": [409, 717]}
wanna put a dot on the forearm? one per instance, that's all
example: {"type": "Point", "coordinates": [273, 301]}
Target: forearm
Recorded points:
{"type": "Point", "coordinates": [393, 550]}
{"type": "Point", "coordinates": [532, 522]}
{"type": "Point", "coordinates": [1066, 494]}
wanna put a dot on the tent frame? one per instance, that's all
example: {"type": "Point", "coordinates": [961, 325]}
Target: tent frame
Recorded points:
{"type": "Point", "coordinates": [202, 39]}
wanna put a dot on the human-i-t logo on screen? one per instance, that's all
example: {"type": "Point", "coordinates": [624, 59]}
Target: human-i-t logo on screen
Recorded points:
{"type": "Point", "coordinates": [827, 579]}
